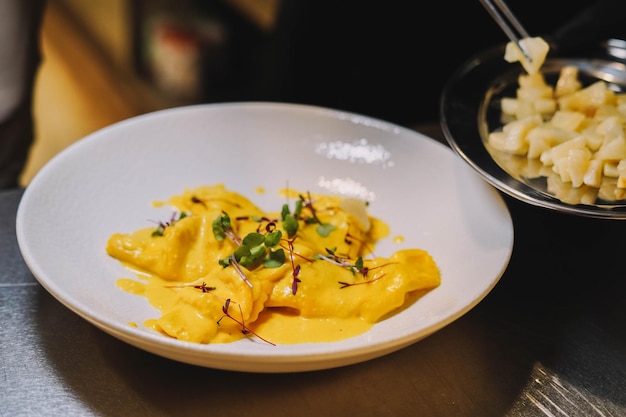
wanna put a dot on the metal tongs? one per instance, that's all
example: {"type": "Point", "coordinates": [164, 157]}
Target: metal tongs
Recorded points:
{"type": "Point", "coordinates": [508, 23]}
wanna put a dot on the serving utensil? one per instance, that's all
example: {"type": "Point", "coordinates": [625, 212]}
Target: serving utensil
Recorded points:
{"type": "Point", "coordinates": [507, 21]}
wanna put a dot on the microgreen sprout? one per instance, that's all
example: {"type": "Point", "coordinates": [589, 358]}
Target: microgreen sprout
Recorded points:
{"type": "Point", "coordinates": [364, 271]}
{"type": "Point", "coordinates": [244, 329]}
{"type": "Point", "coordinates": [164, 225]}
{"type": "Point", "coordinates": [332, 257]}
{"type": "Point", "coordinates": [323, 229]}
{"type": "Point", "coordinates": [203, 287]}
{"type": "Point", "coordinates": [257, 249]}
{"type": "Point", "coordinates": [222, 229]}
{"type": "Point", "coordinates": [358, 267]}
{"type": "Point", "coordinates": [290, 222]}
{"type": "Point", "coordinates": [295, 269]}
{"type": "Point", "coordinates": [265, 246]}
{"type": "Point", "coordinates": [350, 284]}
{"type": "Point", "coordinates": [254, 250]}
{"type": "Point", "coordinates": [231, 260]}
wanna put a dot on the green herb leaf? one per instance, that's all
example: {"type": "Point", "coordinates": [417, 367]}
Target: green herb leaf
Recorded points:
{"type": "Point", "coordinates": [220, 224]}
{"type": "Point", "coordinates": [273, 238]}
{"type": "Point", "coordinates": [290, 224]}
{"type": "Point", "coordinates": [158, 231]}
{"type": "Point", "coordinates": [298, 209]}
{"type": "Point", "coordinates": [253, 239]}
{"type": "Point", "coordinates": [275, 259]}
{"type": "Point", "coordinates": [359, 263]}
{"type": "Point", "coordinates": [324, 229]}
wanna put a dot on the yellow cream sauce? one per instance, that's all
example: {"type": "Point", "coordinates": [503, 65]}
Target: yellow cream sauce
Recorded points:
{"type": "Point", "coordinates": [320, 293]}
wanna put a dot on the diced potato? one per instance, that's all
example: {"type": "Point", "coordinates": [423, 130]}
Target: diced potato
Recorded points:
{"type": "Point", "coordinates": [525, 108]}
{"type": "Point", "coordinates": [513, 136]}
{"type": "Point", "coordinates": [593, 176]}
{"type": "Point", "coordinates": [533, 81]}
{"type": "Point", "coordinates": [572, 166]}
{"type": "Point", "coordinates": [568, 81]}
{"type": "Point", "coordinates": [610, 169]}
{"type": "Point", "coordinates": [594, 139]}
{"type": "Point", "coordinates": [578, 165]}
{"type": "Point", "coordinates": [567, 120]}
{"type": "Point", "coordinates": [606, 111]}
{"type": "Point", "coordinates": [536, 48]}
{"type": "Point", "coordinates": [614, 150]}
{"type": "Point", "coordinates": [587, 100]}
{"type": "Point", "coordinates": [531, 93]}
{"type": "Point", "coordinates": [611, 127]}
{"type": "Point", "coordinates": [562, 150]}
{"type": "Point", "coordinates": [509, 105]}
{"type": "Point", "coordinates": [545, 105]}
{"type": "Point", "coordinates": [544, 137]}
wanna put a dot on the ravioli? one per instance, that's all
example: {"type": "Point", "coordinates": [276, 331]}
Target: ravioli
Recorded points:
{"type": "Point", "coordinates": [222, 269]}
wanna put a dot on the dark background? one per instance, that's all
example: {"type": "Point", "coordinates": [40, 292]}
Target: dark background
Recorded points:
{"type": "Point", "coordinates": [385, 59]}
{"type": "Point", "coordinates": [391, 59]}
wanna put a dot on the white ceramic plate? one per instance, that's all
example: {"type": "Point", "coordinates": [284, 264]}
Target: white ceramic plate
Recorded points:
{"type": "Point", "coordinates": [105, 182]}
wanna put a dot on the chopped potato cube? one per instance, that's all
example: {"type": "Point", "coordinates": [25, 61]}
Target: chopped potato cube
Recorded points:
{"type": "Point", "coordinates": [578, 163]}
{"type": "Point", "coordinates": [593, 176]}
{"type": "Point", "coordinates": [567, 120]}
{"type": "Point", "coordinates": [513, 136]}
{"type": "Point", "coordinates": [613, 150]}
{"type": "Point", "coordinates": [509, 105]}
{"type": "Point", "coordinates": [588, 99]}
{"type": "Point", "coordinates": [594, 139]}
{"type": "Point", "coordinates": [610, 169]}
{"type": "Point", "coordinates": [562, 150]}
{"type": "Point", "coordinates": [536, 48]}
{"type": "Point", "coordinates": [525, 108]}
{"type": "Point", "coordinates": [606, 111]}
{"type": "Point", "coordinates": [568, 81]}
{"type": "Point", "coordinates": [544, 137]}
{"type": "Point", "coordinates": [545, 105]}
{"type": "Point", "coordinates": [611, 126]}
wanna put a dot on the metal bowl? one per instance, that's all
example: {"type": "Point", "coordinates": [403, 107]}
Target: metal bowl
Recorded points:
{"type": "Point", "coordinates": [470, 109]}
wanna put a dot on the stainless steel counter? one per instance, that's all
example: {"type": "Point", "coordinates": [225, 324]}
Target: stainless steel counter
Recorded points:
{"type": "Point", "coordinates": [549, 340]}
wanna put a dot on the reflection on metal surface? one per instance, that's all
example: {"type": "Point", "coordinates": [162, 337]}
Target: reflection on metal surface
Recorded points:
{"type": "Point", "coordinates": [359, 151]}
{"type": "Point", "coordinates": [346, 187]}
{"type": "Point", "coordinates": [616, 48]}
{"type": "Point", "coordinates": [547, 394]}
